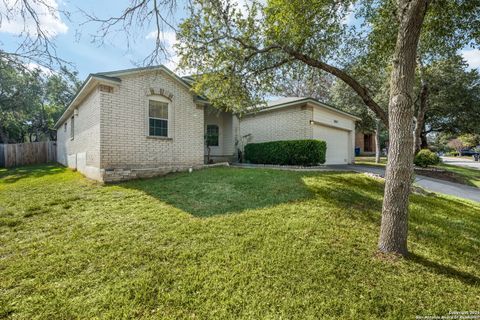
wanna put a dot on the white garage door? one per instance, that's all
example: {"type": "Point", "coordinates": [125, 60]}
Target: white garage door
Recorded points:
{"type": "Point", "coordinates": [337, 143]}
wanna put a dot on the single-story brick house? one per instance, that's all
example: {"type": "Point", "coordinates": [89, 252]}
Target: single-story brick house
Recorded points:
{"type": "Point", "coordinates": [146, 121]}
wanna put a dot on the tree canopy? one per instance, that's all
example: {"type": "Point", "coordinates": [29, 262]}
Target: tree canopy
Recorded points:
{"type": "Point", "coordinates": [31, 101]}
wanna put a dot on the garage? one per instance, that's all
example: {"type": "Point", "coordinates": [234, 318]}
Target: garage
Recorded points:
{"type": "Point", "coordinates": [338, 143]}
{"type": "Point", "coordinates": [296, 118]}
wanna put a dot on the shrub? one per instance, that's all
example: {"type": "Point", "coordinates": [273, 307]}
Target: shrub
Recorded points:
{"type": "Point", "coordinates": [425, 158]}
{"type": "Point", "coordinates": [453, 153]}
{"type": "Point", "coordinates": [292, 152]}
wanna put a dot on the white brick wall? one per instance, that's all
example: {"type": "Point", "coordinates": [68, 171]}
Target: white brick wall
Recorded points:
{"type": "Point", "coordinates": [289, 123]}
{"type": "Point", "coordinates": [83, 152]}
{"type": "Point", "coordinates": [124, 125]}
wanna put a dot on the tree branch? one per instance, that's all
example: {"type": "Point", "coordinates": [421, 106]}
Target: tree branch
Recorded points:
{"type": "Point", "coordinates": [345, 77]}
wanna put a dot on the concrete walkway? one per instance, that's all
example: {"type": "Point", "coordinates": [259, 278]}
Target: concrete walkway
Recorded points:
{"type": "Point", "coordinates": [430, 184]}
{"type": "Point", "coordinates": [461, 162]}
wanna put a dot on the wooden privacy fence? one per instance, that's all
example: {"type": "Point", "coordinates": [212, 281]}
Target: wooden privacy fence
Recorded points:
{"type": "Point", "coordinates": [19, 154]}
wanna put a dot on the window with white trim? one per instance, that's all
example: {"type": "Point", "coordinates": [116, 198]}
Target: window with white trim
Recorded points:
{"type": "Point", "coordinates": [157, 118]}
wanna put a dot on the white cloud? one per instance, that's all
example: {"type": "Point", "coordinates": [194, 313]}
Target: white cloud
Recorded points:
{"type": "Point", "coordinates": [48, 16]}
{"type": "Point", "coordinates": [33, 66]}
{"type": "Point", "coordinates": [472, 56]}
{"type": "Point", "coordinates": [169, 39]}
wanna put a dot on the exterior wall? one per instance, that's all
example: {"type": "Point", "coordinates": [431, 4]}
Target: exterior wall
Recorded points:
{"type": "Point", "coordinates": [288, 123]}
{"type": "Point", "coordinates": [360, 143]}
{"type": "Point", "coordinates": [125, 143]}
{"type": "Point", "coordinates": [226, 141]}
{"type": "Point", "coordinates": [83, 151]}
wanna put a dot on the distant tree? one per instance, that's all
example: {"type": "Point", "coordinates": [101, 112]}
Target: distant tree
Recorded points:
{"type": "Point", "coordinates": [31, 101]}
{"type": "Point", "coordinates": [456, 144]}
{"type": "Point", "coordinates": [448, 98]}
{"type": "Point", "coordinates": [469, 140]}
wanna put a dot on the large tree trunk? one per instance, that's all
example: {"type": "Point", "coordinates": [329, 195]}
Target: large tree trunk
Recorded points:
{"type": "Point", "coordinates": [377, 141]}
{"type": "Point", "coordinates": [422, 109]}
{"type": "Point", "coordinates": [394, 225]}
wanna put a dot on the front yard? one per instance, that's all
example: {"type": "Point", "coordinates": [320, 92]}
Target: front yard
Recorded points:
{"type": "Point", "coordinates": [467, 176]}
{"type": "Point", "coordinates": [226, 243]}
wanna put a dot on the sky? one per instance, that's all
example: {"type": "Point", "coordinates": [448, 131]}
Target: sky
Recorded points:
{"type": "Point", "coordinates": [74, 39]}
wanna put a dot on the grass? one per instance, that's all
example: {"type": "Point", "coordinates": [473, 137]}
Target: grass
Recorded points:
{"type": "Point", "coordinates": [468, 176]}
{"type": "Point", "coordinates": [226, 243]}
{"type": "Point", "coordinates": [370, 161]}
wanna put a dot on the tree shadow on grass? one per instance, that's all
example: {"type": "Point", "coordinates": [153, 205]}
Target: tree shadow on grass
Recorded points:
{"type": "Point", "coordinates": [360, 196]}
{"type": "Point", "coordinates": [219, 191]}
{"type": "Point", "coordinates": [445, 270]}
{"type": "Point", "coordinates": [12, 175]}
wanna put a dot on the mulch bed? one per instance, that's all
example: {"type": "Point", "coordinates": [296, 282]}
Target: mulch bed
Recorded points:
{"type": "Point", "coordinates": [440, 174]}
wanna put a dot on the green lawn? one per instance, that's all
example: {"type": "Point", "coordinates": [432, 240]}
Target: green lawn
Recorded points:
{"type": "Point", "coordinates": [468, 176]}
{"type": "Point", "coordinates": [226, 243]}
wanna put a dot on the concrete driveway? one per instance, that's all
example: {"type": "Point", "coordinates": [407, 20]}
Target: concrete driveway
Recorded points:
{"type": "Point", "coordinates": [430, 184]}
{"type": "Point", "coordinates": [461, 162]}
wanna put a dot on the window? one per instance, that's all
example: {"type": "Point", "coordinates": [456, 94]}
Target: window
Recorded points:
{"type": "Point", "coordinates": [72, 128]}
{"type": "Point", "coordinates": [65, 126]}
{"type": "Point", "coordinates": [157, 118]}
{"type": "Point", "coordinates": [212, 135]}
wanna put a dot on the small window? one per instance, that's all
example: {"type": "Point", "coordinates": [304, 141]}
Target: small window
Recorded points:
{"type": "Point", "coordinates": [158, 118]}
{"type": "Point", "coordinates": [212, 135]}
{"type": "Point", "coordinates": [72, 128]}
{"type": "Point", "coordinates": [65, 127]}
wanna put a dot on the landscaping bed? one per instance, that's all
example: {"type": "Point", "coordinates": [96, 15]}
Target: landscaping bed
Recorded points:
{"type": "Point", "coordinates": [441, 174]}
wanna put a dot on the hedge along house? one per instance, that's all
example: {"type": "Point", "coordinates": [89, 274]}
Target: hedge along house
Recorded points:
{"type": "Point", "coordinates": [140, 123]}
{"type": "Point", "coordinates": [296, 118]}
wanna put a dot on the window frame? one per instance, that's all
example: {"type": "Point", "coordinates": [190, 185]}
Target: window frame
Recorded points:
{"type": "Point", "coordinates": [72, 128]}
{"type": "Point", "coordinates": [218, 134]}
{"type": "Point", "coordinates": [162, 99]}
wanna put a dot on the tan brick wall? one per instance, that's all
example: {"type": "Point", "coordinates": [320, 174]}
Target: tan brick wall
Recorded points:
{"type": "Point", "coordinates": [124, 125]}
{"type": "Point", "coordinates": [83, 152]}
{"type": "Point", "coordinates": [288, 123]}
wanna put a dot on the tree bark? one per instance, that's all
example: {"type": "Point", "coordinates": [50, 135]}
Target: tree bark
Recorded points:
{"type": "Point", "coordinates": [423, 138]}
{"type": "Point", "coordinates": [377, 141]}
{"type": "Point", "coordinates": [394, 225]}
{"type": "Point", "coordinates": [422, 110]}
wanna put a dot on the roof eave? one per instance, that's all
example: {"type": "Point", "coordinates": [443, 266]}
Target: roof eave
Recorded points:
{"type": "Point", "coordinates": [301, 102]}
{"type": "Point", "coordinates": [91, 82]}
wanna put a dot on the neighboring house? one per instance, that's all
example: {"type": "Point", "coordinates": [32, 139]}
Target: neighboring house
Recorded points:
{"type": "Point", "coordinates": [138, 123]}
{"type": "Point", "coordinates": [303, 118]}
{"type": "Point", "coordinates": [146, 121]}
{"type": "Point", "coordinates": [365, 141]}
